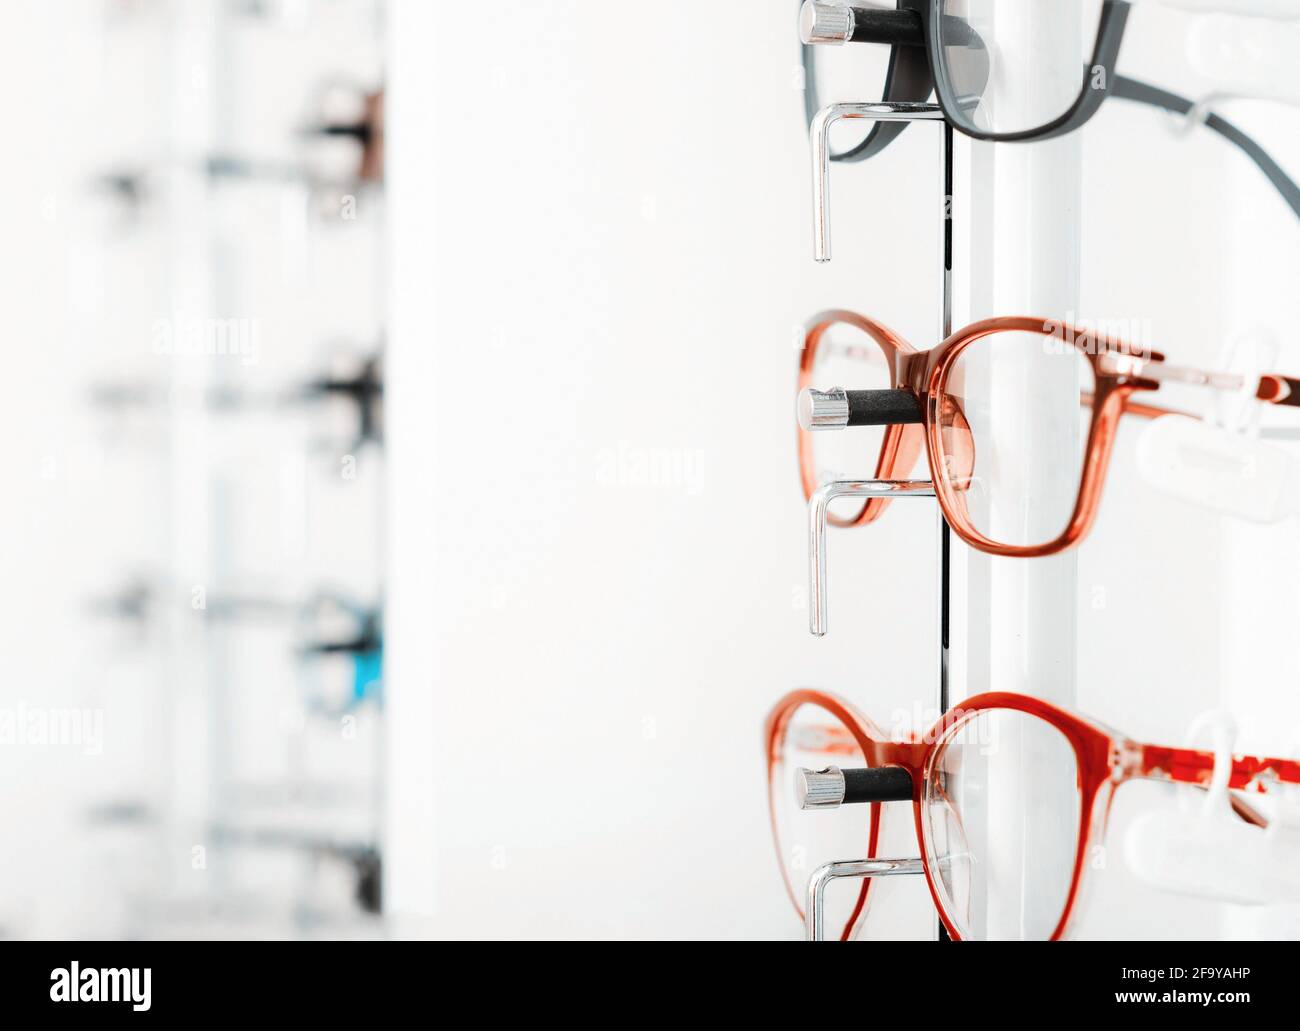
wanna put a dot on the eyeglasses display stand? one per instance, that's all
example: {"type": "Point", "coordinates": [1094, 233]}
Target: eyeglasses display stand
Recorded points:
{"type": "Point", "coordinates": [1014, 630]}
{"type": "Point", "coordinates": [821, 500]}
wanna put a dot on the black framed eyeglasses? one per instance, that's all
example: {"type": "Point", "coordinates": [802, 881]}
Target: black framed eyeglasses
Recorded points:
{"type": "Point", "coordinates": [957, 50]}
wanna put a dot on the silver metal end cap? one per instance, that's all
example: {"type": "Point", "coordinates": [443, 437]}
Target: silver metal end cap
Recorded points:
{"type": "Point", "coordinates": [823, 409]}
{"type": "Point", "coordinates": [819, 789]}
{"type": "Point", "coordinates": [825, 23]}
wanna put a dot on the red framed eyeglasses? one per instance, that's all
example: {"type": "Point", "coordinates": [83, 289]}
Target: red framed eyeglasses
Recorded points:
{"type": "Point", "coordinates": [1026, 483]}
{"type": "Point", "coordinates": [1003, 856]}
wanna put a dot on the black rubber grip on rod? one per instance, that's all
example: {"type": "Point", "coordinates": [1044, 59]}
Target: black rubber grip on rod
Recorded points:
{"type": "Point", "coordinates": [882, 407]}
{"type": "Point", "coordinates": [877, 784]}
{"type": "Point", "coordinates": [897, 28]}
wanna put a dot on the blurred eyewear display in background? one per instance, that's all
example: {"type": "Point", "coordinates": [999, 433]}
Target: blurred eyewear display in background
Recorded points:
{"type": "Point", "coordinates": [220, 198]}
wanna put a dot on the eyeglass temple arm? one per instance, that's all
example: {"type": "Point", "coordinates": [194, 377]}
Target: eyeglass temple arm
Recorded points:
{"type": "Point", "coordinates": [1272, 388]}
{"type": "Point", "coordinates": [1141, 410]}
{"type": "Point", "coordinates": [1143, 93]}
{"type": "Point", "coordinates": [1196, 767]}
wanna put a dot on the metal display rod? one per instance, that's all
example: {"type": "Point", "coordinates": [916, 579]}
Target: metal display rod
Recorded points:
{"type": "Point", "coordinates": [859, 408]}
{"type": "Point", "coordinates": [815, 923]}
{"type": "Point", "coordinates": [818, 509]}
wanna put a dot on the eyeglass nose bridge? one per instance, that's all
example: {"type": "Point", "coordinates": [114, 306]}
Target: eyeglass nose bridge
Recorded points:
{"type": "Point", "coordinates": [818, 508]}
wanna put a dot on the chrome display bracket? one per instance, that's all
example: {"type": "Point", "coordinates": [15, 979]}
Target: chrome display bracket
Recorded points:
{"type": "Point", "coordinates": [815, 921]}
{"type": "Point", "coordinates": [819, 510]}
{"type": "Point", "coordinates": [819, 133]}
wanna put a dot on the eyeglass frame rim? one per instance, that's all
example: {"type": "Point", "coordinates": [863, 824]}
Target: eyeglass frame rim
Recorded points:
{"type": "Point", "coordinates": [1105, 54]}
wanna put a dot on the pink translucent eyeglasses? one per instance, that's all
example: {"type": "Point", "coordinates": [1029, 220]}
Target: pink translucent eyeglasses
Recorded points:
{"type": "Point", "coordinates": [1021, 486]}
